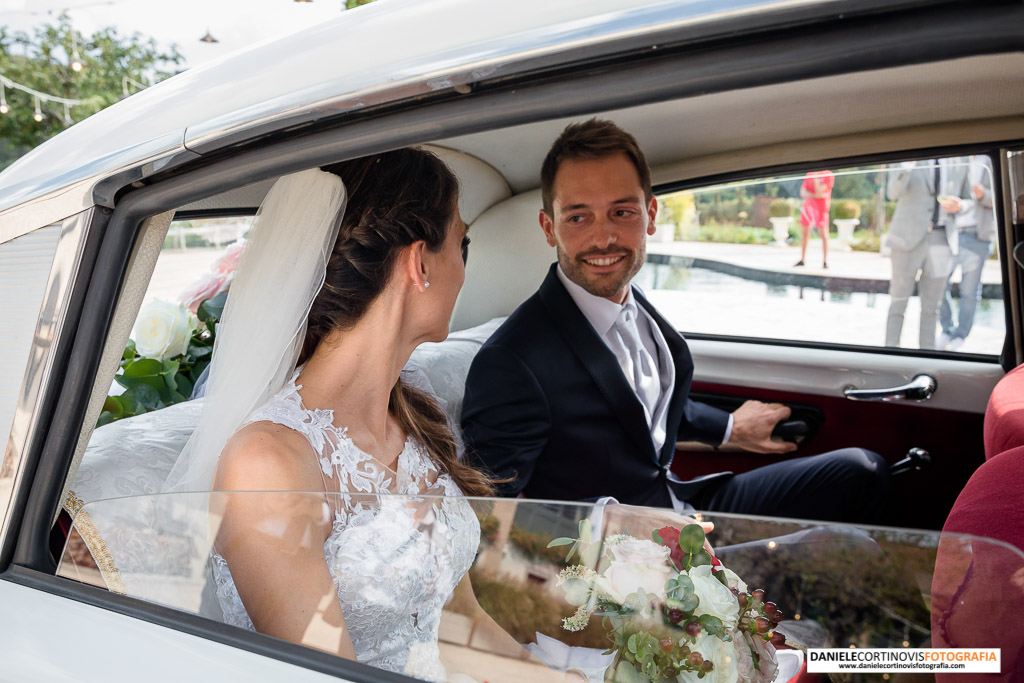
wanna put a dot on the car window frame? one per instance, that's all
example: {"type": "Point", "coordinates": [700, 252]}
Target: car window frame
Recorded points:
{"type": "Point", "coordinates": [576, 90]}
{"type": "Point", "coordinates": [995, 150]}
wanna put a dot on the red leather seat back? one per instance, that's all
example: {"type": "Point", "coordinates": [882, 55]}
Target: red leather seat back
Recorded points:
{"type": "Point", "coordinates": [992, 503]}
{"type": "Point", "coordinates": [1004, 417]}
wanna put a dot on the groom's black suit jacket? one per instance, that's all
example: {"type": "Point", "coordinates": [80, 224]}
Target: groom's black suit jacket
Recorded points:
{"type": "Point", "coordinates": [547, 404]}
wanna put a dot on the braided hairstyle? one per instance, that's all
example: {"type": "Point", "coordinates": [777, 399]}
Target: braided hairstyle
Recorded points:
{"type": "Point", "coordinates": [394, 199]}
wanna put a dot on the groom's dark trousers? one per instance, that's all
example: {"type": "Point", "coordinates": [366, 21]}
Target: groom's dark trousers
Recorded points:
{"type": "Point", "coordinates": [548, 407]}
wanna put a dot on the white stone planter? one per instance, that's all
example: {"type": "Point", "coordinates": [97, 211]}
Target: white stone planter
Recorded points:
{"type": "Point", "coordinates": [845, 227]}
{"type": "Point", "coordinates": [780, 228]}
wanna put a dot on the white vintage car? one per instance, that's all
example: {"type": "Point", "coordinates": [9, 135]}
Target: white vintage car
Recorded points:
{"type": "Point", "coordinates": [734, 103]}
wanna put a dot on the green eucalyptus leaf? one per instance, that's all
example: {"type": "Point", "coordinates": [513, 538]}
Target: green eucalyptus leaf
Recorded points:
{"type": "Point", "coordinates": [689, 603]}
{"type": "Point", "coordinates": [105, 418]}
{"type": "Point", "coordinates": [129, 350]}
{"type": "Point", "coordinates": [141, 398]}
{"type": "Point", "coordinates": [712, 625]}
{"type": "Point", "coordinates": [679, 587]}
{"type": "Point", "coordinates": [211, 310]}
{"type": "Point", "coordinates": [657, 538]}
{"type": "Point", "coordinates": [184, 386]}
{"type": "Point", "coordinates": [691, 538]}
{"type": "Point", "coordinates": [701, 558]}
{"type": "Point", "coordinates": [585, 530]}
{"type": "Point", "coordinates": [113, 405]}
{"type": "Point", "coordinates": [144, 367]}
{"type": "Point", "coordinates": [631, 643]}
{"type": "Point", "coordinates": [563, 540]}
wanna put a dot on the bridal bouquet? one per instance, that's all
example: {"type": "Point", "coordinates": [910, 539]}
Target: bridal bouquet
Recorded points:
{"type": "Point", "coordinates": [671, 610]}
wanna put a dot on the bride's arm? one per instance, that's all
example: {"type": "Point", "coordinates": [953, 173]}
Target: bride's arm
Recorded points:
{"type": "Point", "coordinates": [274, 542]}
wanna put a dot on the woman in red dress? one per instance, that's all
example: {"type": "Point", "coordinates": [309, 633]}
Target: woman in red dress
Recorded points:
{"type": "Point", "coordinates": [816, 191]}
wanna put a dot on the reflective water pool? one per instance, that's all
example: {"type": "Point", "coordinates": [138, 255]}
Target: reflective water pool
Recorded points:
{"type": "Point", "coordinates": [699, 300]}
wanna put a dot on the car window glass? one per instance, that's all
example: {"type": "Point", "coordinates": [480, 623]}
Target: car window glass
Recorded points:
{"type": "Point", "coordinates": [578, 585]}
{"type": "Point", "coordinates": [172, 339]}
{"type": "Point", "coordinates": [908, 265]}
{"type": "Point", "coordinates": [24, 269]}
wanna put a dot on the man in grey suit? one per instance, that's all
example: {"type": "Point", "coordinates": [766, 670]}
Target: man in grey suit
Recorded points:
{"type": "Point", "coordinates": [977, 232]}
{"type": "Point", "coordinates": [930, 195]}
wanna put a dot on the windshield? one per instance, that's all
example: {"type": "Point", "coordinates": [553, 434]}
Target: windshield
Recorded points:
{"type": "Point", "coordinates": [524, 590]}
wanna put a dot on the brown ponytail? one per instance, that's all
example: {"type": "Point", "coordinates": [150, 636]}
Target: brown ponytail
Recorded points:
{"type": "Point", "coordinates": [394, 200]}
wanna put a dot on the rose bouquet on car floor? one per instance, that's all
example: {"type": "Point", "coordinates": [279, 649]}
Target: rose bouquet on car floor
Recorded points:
{"type": "Point", "coordinates": [671, 610]}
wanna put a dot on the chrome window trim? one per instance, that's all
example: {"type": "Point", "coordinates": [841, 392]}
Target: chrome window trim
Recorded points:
{"type": "Point", "coordinates": [628, 31]}
{"type": "Point", "coordinates": [46, 210]}
{"type": "Point", "coordinates": [50, 326]}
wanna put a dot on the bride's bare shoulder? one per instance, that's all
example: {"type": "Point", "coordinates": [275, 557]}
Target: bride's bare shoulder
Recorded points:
{"type": "Point", "coordinates": [263, 456]}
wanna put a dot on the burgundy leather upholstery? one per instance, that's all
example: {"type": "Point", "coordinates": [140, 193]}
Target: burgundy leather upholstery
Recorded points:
{"type": "Point", "coordinates": [977, 589]}
{"type": "Point", "coordinates": [1004, 417]}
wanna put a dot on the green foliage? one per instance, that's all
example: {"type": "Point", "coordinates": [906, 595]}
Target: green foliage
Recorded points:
{"type": "Point", "coordinates": [866, 241]}
{"type": "Point", "coordinates": [152, 384]}
{"type": "Point", "coordinates": [41, 61]}
{"type": "Point", "coordinates": [846, 209]}
{"type": "Point", "coordinates": [733, 234]}
{"type": "Point", "coordinates": [780, 208]}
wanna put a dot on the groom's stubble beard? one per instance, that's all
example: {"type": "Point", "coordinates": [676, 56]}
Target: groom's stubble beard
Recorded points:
{"type": "Point", "coordinates": [575, 270]}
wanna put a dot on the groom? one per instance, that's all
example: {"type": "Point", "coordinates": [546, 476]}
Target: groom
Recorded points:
{"type": "Point", "coordinates": [584, 390]}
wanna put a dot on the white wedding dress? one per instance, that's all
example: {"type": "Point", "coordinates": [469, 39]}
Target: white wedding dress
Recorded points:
{"type": "Point", "coordinates": [395, 563]}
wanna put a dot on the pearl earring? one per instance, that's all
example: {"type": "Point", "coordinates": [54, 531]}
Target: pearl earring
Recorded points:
{"type": "Point", "coordinates": [425, 285]}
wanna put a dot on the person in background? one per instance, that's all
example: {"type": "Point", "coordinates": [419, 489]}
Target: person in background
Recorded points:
{"type": "Point", "coordinates": [816, 191]}
{"type": "Point", "coordinates": [977, 231]}
{"type": "Point", "coordinates": [931, 196]}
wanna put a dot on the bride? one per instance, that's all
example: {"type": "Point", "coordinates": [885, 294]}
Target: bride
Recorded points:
{"type": "Point", "coordinates": [307, 394]}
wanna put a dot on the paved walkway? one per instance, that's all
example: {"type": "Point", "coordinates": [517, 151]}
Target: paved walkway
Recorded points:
{"type": "Point", "coordinates": [862, 271]}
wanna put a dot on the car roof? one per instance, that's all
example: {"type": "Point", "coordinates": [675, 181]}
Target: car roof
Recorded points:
{"type": "Point", "coordinates": [365, 58]}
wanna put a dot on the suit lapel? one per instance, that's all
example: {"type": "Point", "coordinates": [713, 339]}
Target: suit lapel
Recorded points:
{"type": "Point", "coordinates": [598, 359]}
{"type": "Point", "coordinates": [684, 368]}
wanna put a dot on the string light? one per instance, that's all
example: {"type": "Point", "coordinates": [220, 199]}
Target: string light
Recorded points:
{"type": "Point", "coordinates": [125, 80]}
{"type": "Point", "coordinates": [37, 96]}
{"type": "Point", "coordinates": [76, 58]}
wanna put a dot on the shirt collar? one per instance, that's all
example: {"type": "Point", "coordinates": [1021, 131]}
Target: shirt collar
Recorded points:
{"type": "Point", "coordinates": [599, 312]}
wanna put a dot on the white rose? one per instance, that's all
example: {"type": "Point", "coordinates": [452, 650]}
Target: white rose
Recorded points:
{"type": "Point", "coordinates": [636, 564]}
{"type": "Point", "coordinates": [715, 599]}
{"type": "Point", "coordinates": [721, 653]}
{"type": "Point", "coordinates": [163, 330]}
{"type": "Point", "coordinates": [733, 579]}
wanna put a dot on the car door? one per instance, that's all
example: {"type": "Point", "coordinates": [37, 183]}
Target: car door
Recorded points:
{"type": "Point", "coordinates": [813, 335]}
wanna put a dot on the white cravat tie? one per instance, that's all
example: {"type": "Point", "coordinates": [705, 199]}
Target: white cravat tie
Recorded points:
{"type": "Point", "coordinates": [636, 362]}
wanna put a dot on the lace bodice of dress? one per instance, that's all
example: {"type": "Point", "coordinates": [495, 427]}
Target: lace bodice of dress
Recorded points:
{"type": "Point", "coordinates": [395, 560]}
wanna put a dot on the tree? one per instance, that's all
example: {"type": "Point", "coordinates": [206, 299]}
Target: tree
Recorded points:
{"type": "Point", "coordinates": [41, 61]}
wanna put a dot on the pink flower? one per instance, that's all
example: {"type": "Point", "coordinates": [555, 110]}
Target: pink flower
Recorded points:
{"type": "Point", "coordinates": [217, 280]}
{"type": "Point", "coordinates": [207, 287]}
{"type": "Point", "coordinates": [228, 261]}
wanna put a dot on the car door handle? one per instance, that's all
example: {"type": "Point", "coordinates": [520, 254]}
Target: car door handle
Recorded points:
{"type": "Point", "coordinates": [920, 388]}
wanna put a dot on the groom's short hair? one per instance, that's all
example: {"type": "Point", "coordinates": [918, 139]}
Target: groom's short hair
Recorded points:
{"type": "Point", "coordinates": [593, 139]}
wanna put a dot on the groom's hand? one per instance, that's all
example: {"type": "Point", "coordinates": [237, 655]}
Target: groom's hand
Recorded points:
{"type": "Point", "coordinates": [752, 427]}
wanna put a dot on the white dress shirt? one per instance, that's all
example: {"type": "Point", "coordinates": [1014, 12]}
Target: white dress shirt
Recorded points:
{"type": "Point", "coordinates": [602, 313]}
